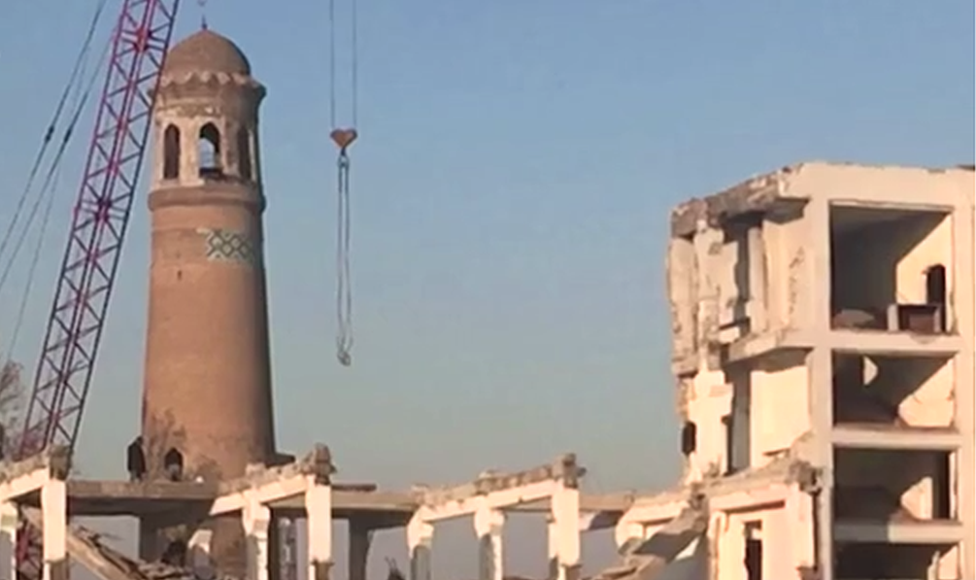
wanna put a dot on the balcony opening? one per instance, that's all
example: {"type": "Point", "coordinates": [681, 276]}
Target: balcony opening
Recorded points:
{"type": "Point", "coordinates": [893, 486]}
{"type": "Point", "coordinates": [886, 561]}
{"type": "Point", "coordinates": [881, 271]}
{"type": "Point", "coordinates": [893, 391]}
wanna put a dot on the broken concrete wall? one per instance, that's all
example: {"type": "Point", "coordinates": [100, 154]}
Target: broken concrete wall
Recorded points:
{"type": "Point", "coordinates": [779, 406]}
{"type": "Point", "coordinates": [682, 276]}
{"type": "Point", "coordinates": [786, 270]}
{"type": "Point", "coordinates": [754, 543]}
{"type": "Point", "coordinates": [709, 402]}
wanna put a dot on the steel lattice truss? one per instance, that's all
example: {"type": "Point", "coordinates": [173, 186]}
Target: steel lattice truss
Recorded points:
{"type": "Point", "coordinates": [100, 218]}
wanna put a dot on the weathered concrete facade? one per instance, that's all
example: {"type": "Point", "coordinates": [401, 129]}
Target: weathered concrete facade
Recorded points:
{"type": "Point", "coordinates": [823, 315]}
{"type": "Point", "coordinates": [207, 391]}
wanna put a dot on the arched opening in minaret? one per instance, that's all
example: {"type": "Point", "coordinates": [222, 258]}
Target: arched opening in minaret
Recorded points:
{"type": "Point", "coordinates": [171, 152]}
{"type": "Point", "coordinates": [173, 464]}
{"type": "Point", "coordinates": [244, 153]}
{"type": "Point", "coordinates": [208, 150]}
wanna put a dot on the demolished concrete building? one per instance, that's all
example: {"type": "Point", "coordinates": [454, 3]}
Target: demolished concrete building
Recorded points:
{"type": "Point", "coordinates": [822, 322]}
{"type": "Point", "coordinates": [822, 348]}
{"type": "Point", "coordinates": [41, 490]}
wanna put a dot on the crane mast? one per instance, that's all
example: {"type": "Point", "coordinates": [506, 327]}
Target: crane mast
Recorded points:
{"type": "Point", "coordinates": [141, 38]}
{"type": "Point", "coordinates": [99, 222]}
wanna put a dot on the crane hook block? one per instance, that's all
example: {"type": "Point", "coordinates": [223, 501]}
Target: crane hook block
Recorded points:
{"type": "Point", "coordinates": [343, 138]}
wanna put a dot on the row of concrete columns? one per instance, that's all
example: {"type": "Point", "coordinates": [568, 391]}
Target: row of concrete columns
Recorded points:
{"type": "Point", "coordinates": [486, 510]}
{"type": "Point", "coordinates": [489, 522]}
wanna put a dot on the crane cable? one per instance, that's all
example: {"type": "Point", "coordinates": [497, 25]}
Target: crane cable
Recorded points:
{"type": "Point", "coordinates": [48, 187]}
{"type": "Point", "coordinates": [49, 133]}
{"type": "Point", "coordinates": [49, 177]}
{"type": "Point", "coordinates": [343, 137]}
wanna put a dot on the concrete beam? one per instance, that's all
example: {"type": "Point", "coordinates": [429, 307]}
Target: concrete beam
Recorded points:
{"type": "Point", "coordinates": [930, 532]}
{"type": "Point", "coordinates": [267, 485]}
{"type": "Point", "coordinates": [487, 498]}
{"type": "Point", "coordinates": [904, 438]}
{"type": "Point", "coordinates": [352, 501]}
{"type": "Point", "coordinates": [761, 486]}
{"type": "Point", "coordinates": [497, 491]}
{"type": "Point", "coordinates": [19, 478]}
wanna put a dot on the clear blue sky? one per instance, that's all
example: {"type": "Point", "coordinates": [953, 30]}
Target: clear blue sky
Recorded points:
{"type": "Point", "coordinates": [512, 184]}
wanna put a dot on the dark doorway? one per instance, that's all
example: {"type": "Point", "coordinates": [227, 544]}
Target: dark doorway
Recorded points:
{"type": "Point", "coordinates": [173, 464]}
{"type": "Point", "coordinates": [753, 558]}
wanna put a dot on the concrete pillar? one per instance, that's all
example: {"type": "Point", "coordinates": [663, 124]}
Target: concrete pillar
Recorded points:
{"type": "Point", "coordinates": [420, 539]}
{"type": "Point", "coordinates": [54, 507]}
{"type": "Point", "coordinates": [8, 540]}
{"type": "Point", "coordinates": [553, 548]}
{"type": "Point", "coordinates": [488, 526]}
{"type": "Point", "coordinates": [732, 549]}
{"type": "Point", "coordinates": [257, 521]}
{"type": "Point", "coordinates": [318, 511]}
{"type": "Point", "coordinates": [565, 527]}
{"type": "Point", "coordinates": [360, 537]}
{"type": "Point", "coordinates": [798, 538]}
{"type": "Point", "coordinates": [756, 249]}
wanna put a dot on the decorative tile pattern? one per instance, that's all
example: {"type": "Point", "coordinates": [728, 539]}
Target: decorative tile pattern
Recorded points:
{"type": "Point", "coordinates": [231, 246]}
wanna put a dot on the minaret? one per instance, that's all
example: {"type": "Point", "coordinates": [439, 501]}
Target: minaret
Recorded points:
{"type": "Point", "coordinates": [207, 392]}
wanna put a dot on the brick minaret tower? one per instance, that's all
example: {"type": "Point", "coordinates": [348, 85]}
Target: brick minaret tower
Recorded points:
{"type": "Point", "coordinates": [207, 393]}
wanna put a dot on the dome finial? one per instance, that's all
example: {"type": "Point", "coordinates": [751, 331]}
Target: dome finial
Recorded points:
{"type": "Point", "coordinates": [203, 14]}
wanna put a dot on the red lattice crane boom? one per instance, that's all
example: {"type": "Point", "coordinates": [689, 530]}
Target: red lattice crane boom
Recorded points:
{"type": "Point", "coordinates": [141, 38]}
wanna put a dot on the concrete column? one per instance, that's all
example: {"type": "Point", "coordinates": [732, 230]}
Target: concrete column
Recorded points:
{"type": "Point", "coordinates": [756, 248]}
{"type": "Point", "coordinates": [360, 537]}
{"type": "Point", "coordinates": [318, 511]}
{"type": "Point", "coordinates": [488, 526]}
{"type": "Point", "coordinates": [420, 539]}
{"type": "Point", "coordinates": [8, 540]}
{"type": "Point", "coordinates": [821, 414]}
{"type": "Point", "coordinates": [257, 521]}
{"type": "Point", "coordinates": [552, 553]}
{"type": "Point", "coordinates": [731, 550]}
{"type": "Point", "coordinates": [565, 527]}
{"type": "Point", "coordinates": [798, 537]}
{"type": "Point", "coordinates": [54, 507]}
